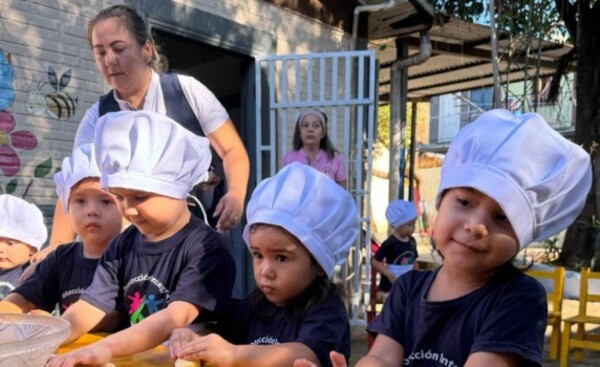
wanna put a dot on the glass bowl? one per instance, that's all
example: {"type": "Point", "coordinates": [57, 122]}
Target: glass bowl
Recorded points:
{"type": "Point", "coordinates": [28, 340]}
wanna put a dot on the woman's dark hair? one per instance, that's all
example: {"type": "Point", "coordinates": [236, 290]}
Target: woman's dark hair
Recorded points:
{"type": "Point", "coordinates": [324, 144]}
{"type": "Point", "coordinates": [135, 24]}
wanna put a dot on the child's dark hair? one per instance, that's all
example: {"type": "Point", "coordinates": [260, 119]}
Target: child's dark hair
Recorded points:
{"type": "Point", "coordinates": [318, 291]}
{"type": "Point", "coordinates": [135, 24]}
{"type": "Point", "coordinates": [324, 144]}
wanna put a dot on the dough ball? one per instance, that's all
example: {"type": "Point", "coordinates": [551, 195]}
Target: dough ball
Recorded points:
{"type": "Point", "coordinates": [183, 363]}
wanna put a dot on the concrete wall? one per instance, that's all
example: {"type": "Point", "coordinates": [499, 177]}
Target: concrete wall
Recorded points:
{"type": "Point", "coordinates": [46, 42]}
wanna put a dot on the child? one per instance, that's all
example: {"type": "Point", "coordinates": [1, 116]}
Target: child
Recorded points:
{"type": "Point", "coordinates": [313, 147]}
{"type": "Point", "coordinates": [66, 272]}
{"type": "Point", "coordinates": [22, 234]}
{"type": "Point", "coordinates": [506, 181]}
{"type": "Point", "coordinates": [300, 224]}
{"type": "Point", "coordinates": [168, 267]}
{"type": "Point", "coordinates": [399, 250]}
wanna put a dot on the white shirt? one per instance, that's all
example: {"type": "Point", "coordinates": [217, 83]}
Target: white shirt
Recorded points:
{"type": "Point", "coordinates": [208, 110]}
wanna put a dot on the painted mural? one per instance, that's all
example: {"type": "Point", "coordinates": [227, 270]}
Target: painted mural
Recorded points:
{"type": "Point", "coordinates": [11, 139]}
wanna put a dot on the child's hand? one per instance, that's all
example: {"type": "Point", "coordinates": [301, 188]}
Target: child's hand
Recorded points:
{"type": "Point", "coordinates": [211, 348]}
{"type": "Point", "coordinates": [94, 355]}
{"type": "Point", "coordinates": [180, 338]}
{"type": "Point", "coordinates": [337, 360]}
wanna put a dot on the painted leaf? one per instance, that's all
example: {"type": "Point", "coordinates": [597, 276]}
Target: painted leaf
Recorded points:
{"type": "Point", "coordinates": [52, 78]}
{"type": "Point", "coordinates": [64, 79]}
{"type": "Point", "coordinates": [43, 168]}
{"type": "Point", "coordinates": [12, 186]}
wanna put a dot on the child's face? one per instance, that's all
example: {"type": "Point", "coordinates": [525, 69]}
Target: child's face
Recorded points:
{"type": "Point", "coordinates": [406, 229]}
{"type": "Point", "coordinates": [94, 213]}
{"type": "Point", "coordinates": [14, 253]}
{"type": "Point", "coordinates": [154, 215]}
{"type": "Point", "coordinates": [472, 232]}
{"type": "Point", "coordinates": [283, 268]}
{"type": "Point", "coordinates": [311, 130]}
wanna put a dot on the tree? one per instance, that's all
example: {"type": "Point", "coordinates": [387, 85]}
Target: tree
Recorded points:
{"type": "Point", "coordinates": [579, 19]}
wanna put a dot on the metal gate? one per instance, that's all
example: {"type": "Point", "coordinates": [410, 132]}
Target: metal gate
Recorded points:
{"type": "Point", "coordinates": [343, 85]}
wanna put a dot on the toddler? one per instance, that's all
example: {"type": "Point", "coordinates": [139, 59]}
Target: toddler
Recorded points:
{"type": "Point", "coordinates": [300, 225]}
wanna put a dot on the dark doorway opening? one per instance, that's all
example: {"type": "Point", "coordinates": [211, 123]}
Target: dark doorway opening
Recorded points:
{"type": "Point", "coordinates": [220, 70]}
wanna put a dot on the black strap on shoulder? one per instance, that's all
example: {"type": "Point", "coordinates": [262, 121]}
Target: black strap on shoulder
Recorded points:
{"type": "Point", "coordinates": [108, 103]}
{"type": "Point", "coordinates": [178, 107]}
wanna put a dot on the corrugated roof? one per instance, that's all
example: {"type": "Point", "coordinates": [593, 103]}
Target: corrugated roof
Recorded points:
{"type": "Point", "coordinates": [461, 52]}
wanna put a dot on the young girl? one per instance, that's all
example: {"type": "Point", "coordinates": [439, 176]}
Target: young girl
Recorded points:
{"type": "Point", "coordinates": [506, 181]}
{"type": "Point", "coordinates": [300, 224]}
{"type": "Point", "coordinates": [313, 147]}
{"type": "Point", "coordinates": [22, 234]}
{"type": "Point", "coordinates": [168, 267]}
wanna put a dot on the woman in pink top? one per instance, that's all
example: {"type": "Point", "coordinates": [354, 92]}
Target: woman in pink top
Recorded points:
{"type": "Point", "coordinates": [313, 147]}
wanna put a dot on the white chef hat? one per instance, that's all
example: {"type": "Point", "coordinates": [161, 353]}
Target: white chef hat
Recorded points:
{"type": "Point", "coordinates": [79, 165]}
{"type": "Point", "coordinates": [147, 151]}
{"type": "Point", "coordinates": [22, 221]}
{"type": "Point", "coordinates": [399, 212]}
{"type": "Point", "coordinates": [539, 178]}
{"type": "Point", "coordinates": [310, 206]}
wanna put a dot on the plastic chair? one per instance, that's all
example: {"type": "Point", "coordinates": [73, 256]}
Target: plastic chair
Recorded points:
{"type": "Point", "coordinates": [582, 339]}
{"type": "Point", "coordinates": [555, 278]}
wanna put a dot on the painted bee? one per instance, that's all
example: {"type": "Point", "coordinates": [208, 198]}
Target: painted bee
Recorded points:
{"type": "Point", "coordinates": [58, 103]}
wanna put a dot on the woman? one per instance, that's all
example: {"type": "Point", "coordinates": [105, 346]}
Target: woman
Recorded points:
{"type": "Point", "coordinates": [313, 147]}
{"type": "Point", "coordinates": [126, 57]}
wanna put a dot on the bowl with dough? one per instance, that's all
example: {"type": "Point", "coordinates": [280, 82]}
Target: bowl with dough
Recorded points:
{"type": "Point", "coordinates": [29, 340]}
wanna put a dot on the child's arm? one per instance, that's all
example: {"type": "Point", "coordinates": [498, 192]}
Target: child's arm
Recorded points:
{"type": "Point", "coordinates": [15, 303]}
{"type": "Point", "coordinates": [385, 352]}
{"type": "Point", "coordinates": [381, 268]}
{"type": "Point", "coordinates": [83, 317]}
{"type": "Point", "coordinates": [213, 348]}
{"type": "Point", "coordinates": [485, 359]}
{"type": "Point", "coordinates": [147, 334]}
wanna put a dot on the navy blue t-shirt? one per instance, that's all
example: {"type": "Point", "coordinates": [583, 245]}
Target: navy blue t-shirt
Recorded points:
{"type": "Point", "coordinates": [507, 315]}
{"type": "Point", "coordinates": [395, 252]}
{"type": "Point", "coordinates": [141, 277]}
{"type": "Point", "coordinates": [61, 278]}
{"type": "Point", "coordinates": [9, 279]}
{"type": "Point", "coordinates": [322, 327]}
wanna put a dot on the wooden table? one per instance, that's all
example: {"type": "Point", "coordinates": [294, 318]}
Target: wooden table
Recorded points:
{"type": "Point", "coordinates": [158, 356]}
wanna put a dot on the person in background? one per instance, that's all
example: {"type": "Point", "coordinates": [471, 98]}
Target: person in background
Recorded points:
{"type": "Point", "coordinates": [62, 277]}
{"type": "Point", "coordinates": [313, 147]}
{"type": "Point", "coordinates": [506, 181]}
{"type": "Point", "coordinates": [127, 59]}
{"type": "Point", "coordinates": [398, 253]}
{"type": "Point", "coordinates": [22, 234]}
{"type": "Point", "coordinates": [168, 269]}
{"type": "Point", "coordinates": [300, 225]}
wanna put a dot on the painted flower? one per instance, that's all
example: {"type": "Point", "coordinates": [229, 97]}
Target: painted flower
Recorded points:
{"type": "Point", "coordinates": [9, 139]}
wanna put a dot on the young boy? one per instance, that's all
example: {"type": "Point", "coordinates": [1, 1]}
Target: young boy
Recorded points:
{"type": "Point", "coordinates": [399, 250]}
{"type": "Point", "coordinates": [168, 267]}
{"type": "Point", "coordinates": [22, 234]}
{"type": "Point", "coordinates": [62, 277]}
